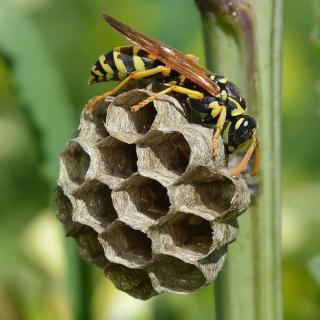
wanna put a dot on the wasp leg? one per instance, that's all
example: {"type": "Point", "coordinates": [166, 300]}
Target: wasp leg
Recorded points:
{"type": "Point", "coordinates": [136, 75]}
{"type": "Point", "coordinates": [256, 162]}
{"type": "Point", "coordinates": [220, 111]}
{"type": "Point", "coordinates": [173, 88]}
{"type": "Point", "coordinates": [243, 163]}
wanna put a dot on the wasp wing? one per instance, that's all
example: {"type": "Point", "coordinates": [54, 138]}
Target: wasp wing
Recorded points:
{"type": "Point", "coordinates": [171, 57]}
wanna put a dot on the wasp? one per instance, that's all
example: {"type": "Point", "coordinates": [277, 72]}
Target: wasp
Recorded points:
{"type": "Point", "coordinates": [218, 102]}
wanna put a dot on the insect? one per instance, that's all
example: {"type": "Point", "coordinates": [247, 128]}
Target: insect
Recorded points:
{"type": "Point", "coordinates": [218, 102]}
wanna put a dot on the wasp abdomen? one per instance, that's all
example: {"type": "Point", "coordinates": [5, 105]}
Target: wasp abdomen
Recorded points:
{"type": "Point", "coordinates": [120, 62]}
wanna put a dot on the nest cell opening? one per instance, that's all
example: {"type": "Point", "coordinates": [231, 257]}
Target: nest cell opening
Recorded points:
{"type": "Point", "coordinates": [64, 206]}
{"type": "Point", "coordinates": [172, 150]}
{"type": "Point", "coordinates": [64, 212]}
{"type": "Point", "coordinates": [99, 114]}
{"type": "Point", "coordinates": [129, 244]}
{"type": "Point", "coordinates": [76, 162]}
{"type": "Point", "coordinates": [216, 195]}
{"type": "Point", "coordinates": [90, 248]}
{"type": "Point", "coordinates": [135, 282]}
{"type": "Point", "coordinates": [150, 198]}
{"type": "Point", "coordinates": [190, 232]}
{"type": "Point", "coordinates": [97, 198]}
{"type": "Point", "coordinates": [119, 158]}
{"type": "Point", "coordinates": [143, 118]}
{"type": "Point", "coordinates": [175, 275]}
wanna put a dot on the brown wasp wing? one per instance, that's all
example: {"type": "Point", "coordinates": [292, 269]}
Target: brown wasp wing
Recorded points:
{"type": "Point", "coordinates": [169, 56]}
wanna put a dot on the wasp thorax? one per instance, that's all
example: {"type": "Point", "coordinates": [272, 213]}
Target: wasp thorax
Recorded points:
{"type": "Point", "coordinates": [235, 93]}
{"type": "Point", "coordinates": [241, 130]}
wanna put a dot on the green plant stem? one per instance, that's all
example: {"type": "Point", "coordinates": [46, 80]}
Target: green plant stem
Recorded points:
{"type": "Point", "coordinates": [80, 283]}
{"type": "Point", "coordinates": [243, 42]}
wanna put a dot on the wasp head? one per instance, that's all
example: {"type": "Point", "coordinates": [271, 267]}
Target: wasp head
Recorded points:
{"type": "Point", "coordinates": [241, 131]}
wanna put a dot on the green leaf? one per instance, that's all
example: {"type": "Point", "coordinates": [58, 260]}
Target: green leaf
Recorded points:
{"type": "Point", "coordinates": [39, 86]}
{"type": "Point", "coordinates": [49, 109]}
{"type": "Point", "coordinates": [314, 268]}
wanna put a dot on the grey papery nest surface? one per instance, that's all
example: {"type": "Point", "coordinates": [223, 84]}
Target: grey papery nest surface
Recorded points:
{"type": "Point", "coordinates": [143, 198]}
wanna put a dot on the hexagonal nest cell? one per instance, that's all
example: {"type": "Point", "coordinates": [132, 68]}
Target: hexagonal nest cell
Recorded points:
{"type": "Point", "coordinates": [89, 247]}
{"type": "Point", "coordinates": [174, 275]}
{"type": "Point", "coordinates": [144, 200]}
{"type": "Point", "coordinates": [189, 231]}
{"type": "Point", "coordinates": [64, 209]}
{"type": "Point", "coordinates": [216, 196]}
{"type": "Point", "coordinates": [210, 194]}
{"type": "Point", "coordinates": [76, 162]}
{"type": "Point", "coordinates": [98, 115]}
{"type": "Point", "coordinates": [150, 198]}
{"type": "Point", "coordinates": [142, 120]}
{"type": "Point", "coordinates": [135, 282]}
{"type": "Point", "coordinates": [171, 149]}
{"type": "Point", "coordinates": [119, 158]}
{"type": "Point", "coordinates": [126, 245]}
{"type": "Point", "coordinates": [97, 201]}
{"type": "Point", "coordinates": [126, 125]}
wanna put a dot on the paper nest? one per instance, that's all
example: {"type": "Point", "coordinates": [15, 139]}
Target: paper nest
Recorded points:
{"type": "Point", "coordinates": [143, 198]}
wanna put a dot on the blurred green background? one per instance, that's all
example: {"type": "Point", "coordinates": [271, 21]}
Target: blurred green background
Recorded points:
{"type": "Point", "coordinates": [46, 51]}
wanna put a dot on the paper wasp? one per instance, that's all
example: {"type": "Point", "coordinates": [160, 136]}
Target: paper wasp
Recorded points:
{"type": "Point", "coordinates": [218, 102]}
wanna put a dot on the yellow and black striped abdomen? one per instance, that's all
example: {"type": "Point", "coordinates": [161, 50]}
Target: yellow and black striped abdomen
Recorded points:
{"type": "Point", "coordinates": [120, 62]}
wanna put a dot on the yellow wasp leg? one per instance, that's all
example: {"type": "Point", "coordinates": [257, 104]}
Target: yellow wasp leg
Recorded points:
{"type": "Point", "coordinates": [133, 76]}
{"type": "Point", "coordinates": [243, 163]}
{"type": "Point", "coordinates": [222, 112]}
{"type": "Point", "coordinates": [256, 162]}
{"type": "Point", "coordinates": [173, 88]}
